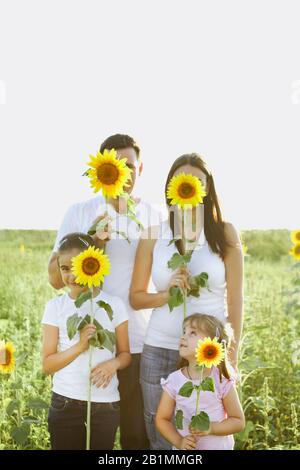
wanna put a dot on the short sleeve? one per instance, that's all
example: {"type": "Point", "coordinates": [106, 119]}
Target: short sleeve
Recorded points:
{"type": "Point", "coordinates": [50, 316]}
{"type": "Point", "coordinates": [168, 386]}
{"type": "Point", "coordinates": [68, 225]}
{"type": "Point", "coordinates": [225, 386]}
{"type": "Point", "coordinates": [120, 313]}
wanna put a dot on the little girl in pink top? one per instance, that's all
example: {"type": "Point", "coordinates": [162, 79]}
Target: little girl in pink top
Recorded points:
{"type": "Point", "coordinates": [222, 406]}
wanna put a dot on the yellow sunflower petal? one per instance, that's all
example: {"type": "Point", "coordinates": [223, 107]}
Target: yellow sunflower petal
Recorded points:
{"type": "Point", "coordinates": [295, 236]}
{"type": "Point", "coordinates": [90, 267]}
{"type": "Point", "coordinates": [209, 352]}
{"type": "Point", "coordinates": [295, 252]}
{"type": "Point", "coordinates": [108, 173]}
{"type": "Point", "coordinates": [185, 190]}
{"type": "Point", "coordinates": [7, 360]}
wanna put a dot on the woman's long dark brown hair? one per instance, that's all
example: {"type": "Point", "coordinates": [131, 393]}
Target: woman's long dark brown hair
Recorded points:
{"type": "Point", "coordinates": [213, 222]}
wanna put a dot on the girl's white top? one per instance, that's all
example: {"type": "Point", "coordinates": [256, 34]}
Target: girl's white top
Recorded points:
{"type": "Point", "coordinates": [80, 217]}
{"type": "Point", "coordinates": [165, 327]}
{"type": "Point", "coordinates": [72, 381]}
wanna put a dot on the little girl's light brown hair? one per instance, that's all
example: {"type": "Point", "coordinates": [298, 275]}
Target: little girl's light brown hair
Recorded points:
{"type": "Point", "coordinates": [211, 327]}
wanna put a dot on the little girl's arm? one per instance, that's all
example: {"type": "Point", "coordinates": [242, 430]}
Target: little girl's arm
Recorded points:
{"type": "Point", "coordinates": [53, 360]}
{"type": "Point", "coordinates": [235, 421]}
{"type": "Point", "coordinates": [103, 372]}
{"type": "Point", "coordinates": [165, 426]}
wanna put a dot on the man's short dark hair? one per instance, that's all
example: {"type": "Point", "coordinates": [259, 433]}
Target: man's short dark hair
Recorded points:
{"type": "Point", "coordinates": [120, 141]}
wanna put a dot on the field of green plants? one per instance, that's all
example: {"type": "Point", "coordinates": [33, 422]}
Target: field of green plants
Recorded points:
{"type": "Point", "coordinates": [269, 358]}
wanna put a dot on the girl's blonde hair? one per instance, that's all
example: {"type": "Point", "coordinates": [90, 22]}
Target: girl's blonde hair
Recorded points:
{"type": "Point", "coordinates": [211, 327]}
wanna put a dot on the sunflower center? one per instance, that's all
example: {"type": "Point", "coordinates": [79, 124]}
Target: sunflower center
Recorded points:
{"type": "Point", "coordinates": [108, 173]}
{"type": "Point", "coordinates": [297, 249]}
{"type": "Point", "coordinates": [5, 357]}
{"type": "Point", "coordinates": [90, 266]}
{"type": "Point", "coordinates": [210, 352]}
{"type": "Point", "coordinates": [298, 236]}
{"type": "Point", "coordinates": [186, 191]}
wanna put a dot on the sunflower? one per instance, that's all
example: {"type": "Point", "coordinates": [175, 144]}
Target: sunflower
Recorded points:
{"type": "Point", "coordinates": [209, 352]}
{"type": "Point", "coordinates": [295, 236]}
{"type": "Point", "coordinates": [295, 252]}
{"type": "Point", "coordinates": [90, 267]}
{"type": "Point", "coordinates": [7, 360]}
{"type": "Point", "coordinates": [185, 190]}
{"type": "Point", "coordinates": [108, 173]}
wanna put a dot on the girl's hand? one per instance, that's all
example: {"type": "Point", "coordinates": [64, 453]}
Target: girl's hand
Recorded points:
{"type": "Point", "coordinates": [196, 432]}
{"type": "Point", "coordinates": [188, 443]}
{"type": "Point", "coordinates": [180, 279]}
{"type": "Point", "coordinates": [103, 373]}
{"type": "Point", "coordinates": [85, 335]}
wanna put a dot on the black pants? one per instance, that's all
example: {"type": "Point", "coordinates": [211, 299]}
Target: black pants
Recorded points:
{"type": "Point", "coordinates": [66, 424]}
{"type": "Point", "coordinates": [132, 424]}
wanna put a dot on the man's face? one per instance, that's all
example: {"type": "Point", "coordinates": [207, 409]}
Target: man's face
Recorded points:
{"type": "Point", "coordinates": [132, 163]}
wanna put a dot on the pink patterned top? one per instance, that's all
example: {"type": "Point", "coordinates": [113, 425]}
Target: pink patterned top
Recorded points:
{"type": "Point", "coordinates": [210, 402]}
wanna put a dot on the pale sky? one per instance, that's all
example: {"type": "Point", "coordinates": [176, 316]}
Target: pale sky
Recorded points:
{"type": "Point", "coordinates": [218, 77]}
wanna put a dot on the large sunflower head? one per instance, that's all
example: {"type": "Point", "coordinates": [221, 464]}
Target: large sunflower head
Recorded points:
{"type": "Point", "coordinates": [90, 267]}
{"type": "Point", "coordinates": [185, 190]}
{"type": "Point", "coordinates": [209, 352]}
{"type": "Point", "coordinates": [295, 252]}
{"type": "Point", "coordinates": [295, 236]}
{"type": "Point", "coordinates": [108, 173]}
{"type": "Point", "coordinates": [7, 360]}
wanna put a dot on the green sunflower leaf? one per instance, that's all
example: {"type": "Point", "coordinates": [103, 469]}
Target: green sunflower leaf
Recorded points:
{"type": "Point", "coordinates": [176, 297]}
{"type": "Point", "coordinates": [179, 419]}
{"type": "Point", "coordinates": [186, 390]}
{"type": "Point", "coordinates": [200, 421]}
{"type": "Point", "coordinates": [107, 308]}
{"type": "Point", "coordinates": [83, 297]}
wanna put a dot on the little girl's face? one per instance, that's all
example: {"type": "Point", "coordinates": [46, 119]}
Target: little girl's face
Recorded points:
{"type": "Point", "coordinates": [68, 278]}
{"type": "Point", "coordinates": [188, 341]}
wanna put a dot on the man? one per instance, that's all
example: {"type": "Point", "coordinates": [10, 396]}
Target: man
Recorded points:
{"type": "Point", "coordinates": [79, 218]}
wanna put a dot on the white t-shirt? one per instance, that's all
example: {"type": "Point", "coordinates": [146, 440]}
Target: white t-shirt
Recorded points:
{"type": "Point", "coordinates": [80, 217]}
{"type": "Point", "coordinates": [165, 327]}
{"type": "Point", "coordinates": [72, 381]}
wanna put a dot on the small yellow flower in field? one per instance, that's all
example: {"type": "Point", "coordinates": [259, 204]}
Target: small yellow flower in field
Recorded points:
{"type": "Point", "coordinates": [90, 267]}
{"type": "Point", "coordinates": [7, 360]}
{"type": "Point", "coordinates": [295, 252]}
{"type": "Point", "coordinates": [108, 173]}
{"type": "Point", "coordinates": [295, 236]}
{"type": "Point", "coordinates": [185, 190]}
{"type": "Point", "coordinates": [209, 352]}
{"type": "Point", "coordinates": [22, 249]}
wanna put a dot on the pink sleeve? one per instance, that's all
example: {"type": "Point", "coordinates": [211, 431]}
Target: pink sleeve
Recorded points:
{"type": "Point", "coordinates": [225, 386]}
{"type": "Point", "coordinates": [168, 386]}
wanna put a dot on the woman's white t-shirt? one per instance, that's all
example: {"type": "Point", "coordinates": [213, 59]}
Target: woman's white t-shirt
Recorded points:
{"type": "Point", "coordinates": [165, 327]}
{"type": "Point", "coordinates": [72, 381]}
{"type": "Point", "coordinates": [80, 217]}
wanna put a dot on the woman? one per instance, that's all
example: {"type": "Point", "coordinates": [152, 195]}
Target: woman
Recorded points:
{"type": "Point", "coordinates": [215, 250]}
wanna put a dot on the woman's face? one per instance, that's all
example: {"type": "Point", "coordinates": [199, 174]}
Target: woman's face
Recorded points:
{"type": "Point", "coordinates": [193, 170]}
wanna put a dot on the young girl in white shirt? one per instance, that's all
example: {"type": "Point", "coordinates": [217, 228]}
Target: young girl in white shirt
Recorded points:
{"type": "Point", "coordinates": [67, 360]}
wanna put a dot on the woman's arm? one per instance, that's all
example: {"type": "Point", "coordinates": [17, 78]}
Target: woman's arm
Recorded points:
{"type": "Point", "coordinates": [234, 266]}
{"type": "Point", "coordinates": [163, 422]}
{"type": "Point", "coordinates": [103, 372]}
{"type": "Point", "coordinates": [53, 360]}
{"type": "Point", "coordinates": [138, 296]}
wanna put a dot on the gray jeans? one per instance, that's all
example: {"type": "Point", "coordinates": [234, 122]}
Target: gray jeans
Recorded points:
{"type": "Point", "coordinates": [156, 363]}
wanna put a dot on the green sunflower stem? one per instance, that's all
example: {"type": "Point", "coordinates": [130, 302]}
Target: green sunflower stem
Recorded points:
{"type": "Point", "coordinates": [88, 417]}
{"type": "Point", "coordinates": [184, 305]}
{"type": "Point", "coordinates": [198, 390]}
